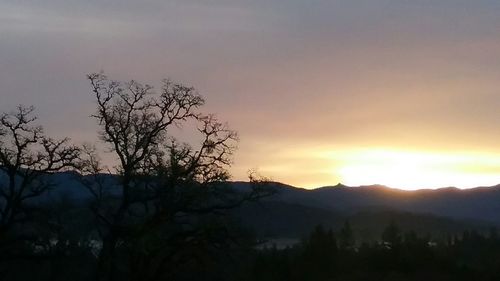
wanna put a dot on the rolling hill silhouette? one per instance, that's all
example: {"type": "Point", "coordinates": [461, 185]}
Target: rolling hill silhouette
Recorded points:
{"type": "Point", "coordinates": [481, 203]}
{"type": "Point", "coordinates": [293, 211]}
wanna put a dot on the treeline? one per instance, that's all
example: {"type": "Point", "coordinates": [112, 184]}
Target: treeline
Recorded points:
{"type": "Point", "coordinates": [227, 252]}
{"type": "Point", "coordinates": [327, 255]}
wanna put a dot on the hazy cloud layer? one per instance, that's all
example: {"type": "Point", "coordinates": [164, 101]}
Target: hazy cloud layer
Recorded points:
{"type": "Point", "coordinates": [321, 75]}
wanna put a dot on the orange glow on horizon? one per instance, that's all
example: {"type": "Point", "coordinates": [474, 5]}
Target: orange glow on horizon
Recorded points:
{"type": "Point", "coordinates": [395, 168]}
{"type": "Point", "coordinates": [414, 170]}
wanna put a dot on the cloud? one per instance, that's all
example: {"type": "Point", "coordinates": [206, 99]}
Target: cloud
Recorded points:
{"type": "Point", "coordinates": [363, 73]}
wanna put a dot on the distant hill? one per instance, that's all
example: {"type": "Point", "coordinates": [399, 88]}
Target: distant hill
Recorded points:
{"type": "Point", "coordinates": [481, 203]}
{"type": "Point", "coordinates": [276, 219]}
{"type": "Point", "coordinates": [293, 211]}
{"type": "Point", "coordinates": [281, 219]}
{"type": "Point", "coordinates": [370, 208]}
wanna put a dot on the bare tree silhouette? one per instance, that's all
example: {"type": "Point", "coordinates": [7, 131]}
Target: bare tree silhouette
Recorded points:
{"type": "Point", "coordinates": [26, 156]}
{"type": "Point", "coordinates": [164, 185]}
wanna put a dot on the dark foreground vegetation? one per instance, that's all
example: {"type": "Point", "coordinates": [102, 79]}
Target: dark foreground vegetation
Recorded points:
{"type": "Point", "coordinates": [325, 255]}
{"type": "Point", "coordinates": [322, 255]}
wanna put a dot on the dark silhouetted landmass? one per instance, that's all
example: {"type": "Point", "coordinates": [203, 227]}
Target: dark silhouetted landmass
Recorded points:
{"type": "Point", "coordinates": [292, 212]}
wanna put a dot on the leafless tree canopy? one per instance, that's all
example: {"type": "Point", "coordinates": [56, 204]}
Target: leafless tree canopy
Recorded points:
{"type": "Point", "coordinates": [165, 203]}
{"type": "Point", "coordinates": [162, 181]}
{"type": "Point", "coordinates": [26, 154]}
{"type": "Point", "coordinates": [136, 122]}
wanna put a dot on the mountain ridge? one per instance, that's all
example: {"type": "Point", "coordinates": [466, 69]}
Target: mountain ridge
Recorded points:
{"type": "Point", "coordinates": [480, 203]}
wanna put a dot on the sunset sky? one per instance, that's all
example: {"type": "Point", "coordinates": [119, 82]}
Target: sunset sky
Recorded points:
{"type": "Point", "coordinates": [403, 93]}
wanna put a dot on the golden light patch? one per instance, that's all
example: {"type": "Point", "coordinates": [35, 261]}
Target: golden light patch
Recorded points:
{"type": "Point", "coordinates": [414, 170]}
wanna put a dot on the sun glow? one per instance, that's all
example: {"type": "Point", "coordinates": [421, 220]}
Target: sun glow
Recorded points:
{"type": "Point", "coordinates": [413, 170]}
{"type": "Point", "coordinates": [315, 165]}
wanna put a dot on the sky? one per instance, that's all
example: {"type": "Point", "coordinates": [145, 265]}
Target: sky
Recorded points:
{"type": "Point", "coordinates": [403, 93]}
